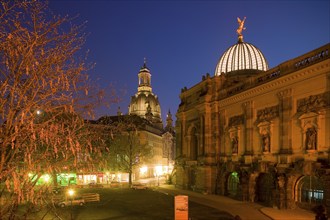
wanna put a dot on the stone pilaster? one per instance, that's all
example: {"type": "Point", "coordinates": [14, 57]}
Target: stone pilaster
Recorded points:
{"type": "Point", "coordinates": [285, 115]}
{"type": "Point", "coordinates": [281, 181]}
{"type": "Point", "coordinates": [252, 186]}
{"type": "Point", "coordinates": [244, 183]}
{"type": "Point", "coordinates": [248, 115]}
{"type": "Point", "coordinates": [222, 124]}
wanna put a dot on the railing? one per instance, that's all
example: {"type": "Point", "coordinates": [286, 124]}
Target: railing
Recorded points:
{"type": "Point", "coordinates": [285, 68]}
{"type": "Point", "coordinates": [312, 59]}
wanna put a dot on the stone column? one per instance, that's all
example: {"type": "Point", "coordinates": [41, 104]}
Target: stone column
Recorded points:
{"type": "Point", "coordinates": [285, 114]}
{"type": "Point", "coordinates": [282, 192]}
{"type": "Point", "coordinates": [252, 186]}
{"type": "Point", "coordinates": [248, 113]}
{"type": "Point", "coordinates": [244, 182]}
{"type": "Point", "coordinates": [201, 137]}
{"type": "Point", "coordinates": [208, 148]}
{"type": "Point", "coordinates": [215, 133]}
{"type": "Point", "coordinates": [222, 124]}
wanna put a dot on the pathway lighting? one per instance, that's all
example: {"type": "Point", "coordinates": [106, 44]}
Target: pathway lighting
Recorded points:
{"type": "Point", "coordinates": [71, 193]}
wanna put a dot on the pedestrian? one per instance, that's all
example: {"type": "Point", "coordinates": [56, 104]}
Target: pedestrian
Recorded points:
{"type": "Point", "coordinates": [237, 217]}
{"type": "Point", "coordinates": [319, 211]}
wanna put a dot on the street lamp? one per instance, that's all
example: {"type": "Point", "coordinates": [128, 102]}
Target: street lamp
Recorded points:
{"type": "Point", "coordinates": [71, 193]}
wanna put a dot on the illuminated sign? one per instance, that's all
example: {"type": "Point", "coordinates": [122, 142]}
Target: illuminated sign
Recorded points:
{"type": "Point", "coordinates": [181, 207]}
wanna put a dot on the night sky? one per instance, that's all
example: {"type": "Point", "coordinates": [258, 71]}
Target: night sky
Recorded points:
{"type": "Point", "coordinates": [183, 40]}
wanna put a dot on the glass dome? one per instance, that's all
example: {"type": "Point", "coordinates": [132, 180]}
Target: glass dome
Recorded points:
{"type": "Point", "coordinates": [241, 56]}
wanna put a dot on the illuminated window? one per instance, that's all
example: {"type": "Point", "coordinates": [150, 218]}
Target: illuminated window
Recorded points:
{"type": "Point", "coordinates": [233, 183]}
{"type": "Point", "coordinates": [309, 191]}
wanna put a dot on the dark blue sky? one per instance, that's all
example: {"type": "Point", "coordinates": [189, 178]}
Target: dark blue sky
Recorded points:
{"type": "Point", "coordinates": [183, 40]}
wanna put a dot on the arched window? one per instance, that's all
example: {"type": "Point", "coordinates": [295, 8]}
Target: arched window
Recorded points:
{"type": "Point", "coordinates": [309, 191]}
{"type": "Point", "coordinates": [233, 183]}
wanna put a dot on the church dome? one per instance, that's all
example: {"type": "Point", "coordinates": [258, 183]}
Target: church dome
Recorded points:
{"type": "Point", "coordinates": [140, 103]}
{"type": "Point", "coordinates": [145, 103]}
{"type": "Point", "coordinates": [241, 56]}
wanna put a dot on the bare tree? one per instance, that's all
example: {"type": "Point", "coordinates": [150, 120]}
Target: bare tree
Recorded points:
{"type": "Point", "coordinates": [44, 95]}
{"type": "Point", "coordinates": [127, 146]}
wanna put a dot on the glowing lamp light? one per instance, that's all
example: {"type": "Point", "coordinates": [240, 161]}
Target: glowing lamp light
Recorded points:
{"type": "Point", "coordinates": [46, 178]}
{"type": "Point", "coordinates": [71, 192]}
{"type": "Point", "coordinates": [143, 169]}
{"type": "Point", "coordinates": [158, 170]}
{"type": "Point", "coordinates": [165, 169]}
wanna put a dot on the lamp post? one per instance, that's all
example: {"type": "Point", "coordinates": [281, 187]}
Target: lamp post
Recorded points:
{"type": "Point", "coordinates": [71, 193]}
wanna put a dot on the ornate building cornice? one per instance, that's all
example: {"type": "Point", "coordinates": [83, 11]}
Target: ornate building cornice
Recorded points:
{"type": "Point", "coordinates": [278, 76]}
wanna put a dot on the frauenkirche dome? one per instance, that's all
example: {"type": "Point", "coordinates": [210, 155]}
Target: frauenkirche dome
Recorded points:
{"type": "Point", "coordinates": [145, 103]}
{"type": "Point", "coordinates": [241, 56]}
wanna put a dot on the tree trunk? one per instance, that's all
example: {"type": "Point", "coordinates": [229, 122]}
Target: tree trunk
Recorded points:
{"type": "Point", "coordinates": [130, 177]}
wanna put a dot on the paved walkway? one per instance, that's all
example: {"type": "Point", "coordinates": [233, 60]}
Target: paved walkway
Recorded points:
{"type": "Point", "coordinates": [245, 210]}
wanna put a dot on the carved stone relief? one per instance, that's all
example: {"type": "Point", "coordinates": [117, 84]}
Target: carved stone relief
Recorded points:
{"type": "Point", "coordinates": [284, 93]}
{"type": "Point", "coordinates": [268, 113]}
{"type": "Point", "coordinates": [313, 103]}
{"type": "Point", "coordinates": [236, 120]}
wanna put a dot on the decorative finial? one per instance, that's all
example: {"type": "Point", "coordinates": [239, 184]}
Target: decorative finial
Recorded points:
{"type": "Point", "coordinates": [119, 111]}
{"type": "Point", "coordinates": [240, 29]}
{"type": "Point", "coordinates": [144, 62]}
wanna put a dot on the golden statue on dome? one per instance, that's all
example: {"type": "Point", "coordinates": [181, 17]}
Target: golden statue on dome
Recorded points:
{"type": "Point", "coordinates": [240, 28]}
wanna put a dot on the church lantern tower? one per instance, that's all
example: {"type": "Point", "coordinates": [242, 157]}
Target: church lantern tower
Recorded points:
{"type": "Point", "coordinates": [145, 103]}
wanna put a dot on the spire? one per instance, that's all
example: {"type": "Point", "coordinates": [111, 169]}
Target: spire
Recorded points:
{"type": "Point", "coordinates": [119, 111]}
{"type": "Point", "coordinates": [144, 62]}
{"type": "Point", "coordinates": [144, 67]}
{"type": "Point", "coordinates": [169, 122]}
{"type": "Point", "coordinates": [169, 117]}
{"type": "Point", "coordinates": [144, 78]}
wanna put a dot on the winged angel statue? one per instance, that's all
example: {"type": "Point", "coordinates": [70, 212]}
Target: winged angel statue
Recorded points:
{"type": "Point", "coordinates": [240, 26]}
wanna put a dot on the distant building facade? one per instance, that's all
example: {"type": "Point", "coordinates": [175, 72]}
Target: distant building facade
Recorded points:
{"type": "Point", "coordinates": [258, 134]}
{"type": "Point", "coordinates": [145, 112]}
{"type": "Point", "coordinates": [146, 105]}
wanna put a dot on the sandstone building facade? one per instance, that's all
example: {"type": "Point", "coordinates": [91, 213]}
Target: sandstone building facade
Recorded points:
{"type": "Point", "coordinates": [258, 134]}
{"type": "Point", "coordinates": [144, 112]}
